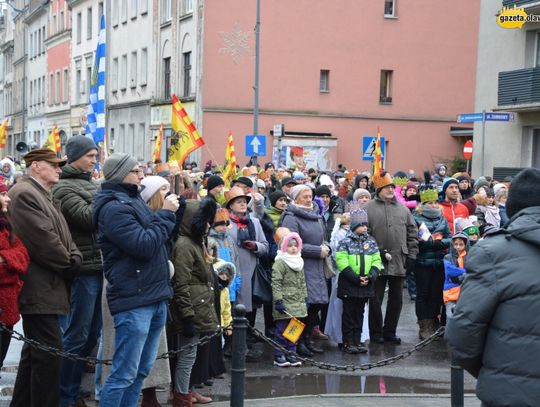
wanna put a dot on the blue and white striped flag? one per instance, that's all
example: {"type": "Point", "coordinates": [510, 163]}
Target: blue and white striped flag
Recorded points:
{"type": "Point", "coordinates": [95, 125]}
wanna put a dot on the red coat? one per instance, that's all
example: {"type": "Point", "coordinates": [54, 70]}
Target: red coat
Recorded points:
{"type": "Point", "coordinates": [453, 212]}
{"type": "Point", "coordinates": [16, 263]}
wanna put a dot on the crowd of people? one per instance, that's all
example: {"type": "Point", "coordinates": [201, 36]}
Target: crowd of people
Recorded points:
{"type": "Point", "coordinates": [151, 257]}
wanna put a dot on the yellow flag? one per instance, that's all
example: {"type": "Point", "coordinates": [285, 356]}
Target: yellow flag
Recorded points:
{"type": "Point", "coordinates": [189, 138]}
{"type": "Point", "coordinates": [53, 141]}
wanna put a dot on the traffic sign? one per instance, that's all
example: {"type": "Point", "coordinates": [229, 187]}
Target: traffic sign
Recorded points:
{"type": "Point", "coordinates": [467, 150]}
{"type": "Point", "coordinates": [500, 117]}
{"type": "Point", "coordinates": [256, 145]}
{"type": "Point", "coordinates": [469, 117]}
{"type": "Point", "coordinates": [278, 130]}
{"type": "Point", "coordinates": [368, 148]}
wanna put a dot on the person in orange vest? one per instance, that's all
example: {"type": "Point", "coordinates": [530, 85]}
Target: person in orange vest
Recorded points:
{"type": "Point", "coordinates": [449, 200]}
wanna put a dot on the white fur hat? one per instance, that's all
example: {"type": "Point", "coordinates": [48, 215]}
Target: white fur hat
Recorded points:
{"type": "Point", "coordinates": [152, 184]}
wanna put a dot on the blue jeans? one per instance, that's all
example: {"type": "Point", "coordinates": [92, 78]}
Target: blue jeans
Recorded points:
{"type": "Point", "coordinates": [136, 342]}
{"type": "Point", "coordinates": [82, 328]}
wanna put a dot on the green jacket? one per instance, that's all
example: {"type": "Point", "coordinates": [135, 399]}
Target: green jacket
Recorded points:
{"type": "Point", "coordinates": [75, 192]}
{"type": "Point", "coordinates": [289, 286]}
{"type": "Point", "coordinates": [275, 215]}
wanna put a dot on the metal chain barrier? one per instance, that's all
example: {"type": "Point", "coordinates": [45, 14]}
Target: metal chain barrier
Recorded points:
{"type": "Point", "coordinates": [93, 361]}
{"type": "Point", "coordinates": [351, 368]}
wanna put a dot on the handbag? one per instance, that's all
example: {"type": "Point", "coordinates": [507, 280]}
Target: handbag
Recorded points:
{"type": "Point", "coordinates": [261, 285]}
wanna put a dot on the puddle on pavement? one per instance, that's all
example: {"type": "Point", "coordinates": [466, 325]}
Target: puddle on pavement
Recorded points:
{"type": "Point", "coordinates": [304, 384]}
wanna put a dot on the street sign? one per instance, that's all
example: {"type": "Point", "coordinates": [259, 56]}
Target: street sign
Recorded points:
{"type": "Point", "coordinates": [500, 117]}
{"type": "Point", "coordinates": [469, 117]}
{"type": "Point", "coordinates": [278, 130]}
{"type": "Point", "coordinates": [368, 148]}
{"type": "Point", "coordinates": [256, 145]}
{"type": "Point", "coordinates": [467, 150]}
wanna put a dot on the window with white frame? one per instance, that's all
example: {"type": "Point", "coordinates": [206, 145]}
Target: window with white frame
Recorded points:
{"type": "Point", "coordinates": [65, 87]}
{"type": "Point", "coordinates": [88, 76]}
{"type": "Point", "coordinates": [57, 87]}
{"type": "Point", "coordinates": [133, 70]}
{"type": "Point", "coordinates": [62, 21]}
{"type": "Point", "coordinates": [144, 7]}
{"type": "Point", "coordinates": [43, 89]}
{"type": "Point", "coordinates": [186, 62]}
{"type": "Point", "coordinates": [114, 76]}
{"type": "Point", "coordinates": [167, 78]}
{"type": "Point", "coordinates": [77, 85]}
{"type": "Point", "coordinates": [386, 86]}
{"type": "Point", "coordinates": [79, 27]}
{"type": "Point", "coordinates": [166, 10]}
{"type": "Point", "coordinates": [324, 81]}
{"type": "Point", "coordinates": [390, 8]}
{"type": "Point", "coordinates": [188, 6]}
{"type": "Point", "coordinates": [124, 11]}
{"type": "Point", "coordinates": [133, 10]}
{"type": "Point", "coordinates": [123, 73]}
{"type": "Point", "coordinates": [115, 12]}
{"type": "Point", "coordinates": [144, 66]}
{"type": "Point", "coordinates": [89, 23]}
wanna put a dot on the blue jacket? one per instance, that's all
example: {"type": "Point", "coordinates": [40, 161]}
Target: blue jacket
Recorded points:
{"type": "Point", "coordinates": [133, 243]}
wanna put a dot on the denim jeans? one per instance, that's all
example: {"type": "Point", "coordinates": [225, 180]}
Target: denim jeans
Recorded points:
{"type": "Point", "coordinates": [83, 325]}
{"type": "Point", "coordinates": [136, 342]}
{"type": "Point", "coordinates": [184, 363]}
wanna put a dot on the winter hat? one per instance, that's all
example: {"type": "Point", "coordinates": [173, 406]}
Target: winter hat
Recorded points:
{"type": "Point", "coordinates": [447, 182]}
{"type": "Point", "coordinates": [498, 187]}
{"type": "Point", "coordinates": [244, 180]}
{"type": "Point", "coordinates": [214, 181]}
{"type": "Point", "coordinates": [151, 185]}
{"type": "Point", "coordinates": [524, 191]}
{"type": "Point", "coordinates": [118, 166]}
{"type": "Point", "coordinates": [360, 192]}
{"type": "Point", "coordinates": [274, 196]}
{"type": "Point", "coordinates": [470, 204]}
{"type": "Point", "coordinates": [411, 185]}
{"type": "Point", "coordinates": [324, 179]}
{"type": "Point", "coordinates": [261, 184]}
{"type": "Point", "coordinates": [472, 230]}
{"type": "Point", "coordinates": [295, 191]}
{"type": "Point", "coordinates": [288, 180]}
{"type": "Point", "coordinates": [461, 235]}
{"type": "Point", "coordinates": [463, 177]}
{"type": "Point", "coordinates": [323, 190]}
{"type": "Point", "coordinates": [359, 217]}
{"type": "Point", "coordinates": [481, 182]}
{"type": "Point", "coordinates": [382, 180]}
{"type": "Point", "coordinates": [462, 224]}
{"type": "Point", "coordinates": [268, 165]}
{"type": "Point", "coordinates": [221, 218]}
{"type": "Point", "coordinates": [77, 146]}
{"type": "Point", "coordinates": [298, 175]}
{"type": "Point", "coordinates": [3, 187]}
{"type": "Point", "coordinates": [284, 242]}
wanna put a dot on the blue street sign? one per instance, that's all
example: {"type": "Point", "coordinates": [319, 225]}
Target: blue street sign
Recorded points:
{"type": "Point", "coordinates": [500, 117]}
{"type": "Point", "coordinates": [256, 145]}
{"type": "Point", "coordinates": [469, 117]}
{"type": "Point", "coordinates": [368, 148]}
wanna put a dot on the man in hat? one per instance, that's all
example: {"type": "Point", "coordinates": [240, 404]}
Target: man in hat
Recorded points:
{"type": "Point", "coordinates": [54, 260]}
{"type": "Point", "coordinates": [75, 192]}
{"type": "Point", "coordinates": [395, 231]}
{"type": "Point", "coordinates": [449, 200]}
{"type": "Point", "coordinates": [255, 205]}
{"type": "Point", "coordinates": [135, 261]}
{"type": "Point", "coordinates": [495, 329]}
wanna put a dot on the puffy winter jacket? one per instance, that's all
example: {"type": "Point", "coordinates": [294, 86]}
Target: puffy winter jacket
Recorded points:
{"type": "Point", "coordinates": [432, 252]}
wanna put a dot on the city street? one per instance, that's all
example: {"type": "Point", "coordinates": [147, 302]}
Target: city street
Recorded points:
{"type": "Point", "coordinates": [423, 373]}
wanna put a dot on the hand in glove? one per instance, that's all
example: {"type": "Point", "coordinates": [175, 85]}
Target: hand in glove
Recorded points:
{"type": "Point", "coordinates": [249, 245]}
{"type": "Point", "coordinates": [438, 245]}
{"type": "Point", "coordinates": [280, 307]}
{"type": "Point", "coordinates": [188, 329]}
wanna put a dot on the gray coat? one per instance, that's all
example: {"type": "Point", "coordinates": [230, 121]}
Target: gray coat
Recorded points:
{"type": "Point", "coordinates": [247, 260]}
{"type": "Point", "coordinates": [495, 330]}
{"type": "Point", "coordinates": [395, 230]}
{"type": "Point", "coordinates": [310, 226]}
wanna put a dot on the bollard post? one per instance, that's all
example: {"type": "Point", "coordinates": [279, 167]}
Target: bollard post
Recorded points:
{"type": "Point", "coordinates": [238, 362]}
{"type": "Point", "coordinates": [456, 383]}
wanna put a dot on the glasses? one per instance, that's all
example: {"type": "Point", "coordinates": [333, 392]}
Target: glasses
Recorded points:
{"type": "Point", "coordinates": [137, 171]}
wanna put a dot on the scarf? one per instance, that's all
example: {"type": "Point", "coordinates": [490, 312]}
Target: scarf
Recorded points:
{"type": "Point", "coordinates": [307, 208]}
{"type": "Point", "coordinates": [461, 258]}
{"type": "Point", "coordinates": [492, 215]}
{"type": "Point", "coordinates": [431, 213]}
{"type": "Point", "coordinates": [246, 229]}
{"type": "Point", "coordinates": [295, 262]}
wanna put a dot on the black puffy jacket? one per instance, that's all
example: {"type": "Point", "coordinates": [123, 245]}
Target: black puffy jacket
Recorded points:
{"type": "Point", "coordinates": [495, 331]}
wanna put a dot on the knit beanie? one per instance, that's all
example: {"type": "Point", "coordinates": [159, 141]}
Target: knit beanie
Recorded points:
{"type": "Point", "coordinates": [118, 166]}
{"type": "Point", "coordinates": [498, 187]}
{"type": "Point", "coordinates": [274, 196]}
{"type": "Point", "coordinates": [152, 184]}
{"type": "Point", "coordinates": [480, 182]}
{"type": "Point", "coordinates": [214, 181]}
{"type": "Point", "coordinates": [470, 204]}
{"type": "Point", "coordinates": [298, 175]}
{"type": "Point", "coordinates": [295, 191]}
{"type": "Point", "coordinates": [411, 185]}
{"type": "Point", "coordinates": [3, 187]}
{"type": "Point", "coordinates": [359, 217]}
{"type": "Point", "coordinates": [360, 192]}
{"type": "Point", "coordinates": [323, 190]}
{"type": "Point", "coordinates": [447, 182]}
{"type": "Point", "coordinates": [77, 146]}
{"type": "Point", "coordinates": [524, 191]}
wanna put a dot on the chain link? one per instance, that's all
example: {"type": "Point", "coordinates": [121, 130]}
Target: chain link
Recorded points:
{"type": "Point", "coordinates": [92, 360]}
{"type": "Point", "coordinates": [351, 368]}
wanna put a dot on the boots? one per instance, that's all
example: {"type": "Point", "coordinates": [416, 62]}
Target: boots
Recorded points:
{"type": "Point", "coordinates": [182, 400]}
{"type": "Point", "coordinates": [426, 328]}
{"type": "Point", "coordinates": [200, 398]}
{"type": "Point", "coordinates": [308, 340]}
{"type": "Point", "coordinates": [149, 398]}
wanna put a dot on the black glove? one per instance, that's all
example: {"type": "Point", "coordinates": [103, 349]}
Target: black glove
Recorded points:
{"type": "Point", "coordinates": [188, 329]}
{"type": "Point", "coordinates": [280, 307]}
{"type": "Point", "coordinates": [410, 263]}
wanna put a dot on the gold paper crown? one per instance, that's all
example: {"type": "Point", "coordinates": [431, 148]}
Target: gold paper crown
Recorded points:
{"type": "Point", "coordinates": [401, 181]}
{"type": "Point", "coordinates": [429, 195]}
{"type": "Point", "coordinates": [381, 182]}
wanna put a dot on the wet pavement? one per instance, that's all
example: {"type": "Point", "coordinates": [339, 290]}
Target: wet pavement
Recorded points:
{"type": "Point", "coordinates": [425, 373]}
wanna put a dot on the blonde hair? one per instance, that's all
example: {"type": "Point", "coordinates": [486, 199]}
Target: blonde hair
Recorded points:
{"type": "Point", "coordinates": [156, 201]}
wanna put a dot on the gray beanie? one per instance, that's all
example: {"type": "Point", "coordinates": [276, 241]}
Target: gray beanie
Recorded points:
{"type": "Point", "coordinates": [77, 146]}
{"type": "Point", "coordinates": [118, 166]}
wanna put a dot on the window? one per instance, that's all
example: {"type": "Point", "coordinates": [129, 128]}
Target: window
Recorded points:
{"type": "Point", "coordinates": [88, 77]}
{"type": "Point", "coordinates": [124, 11]}
{"type": "Point", "coordinates": [43, 90]}
{"type": "Point", "coordinates": [39, 90]}
{"type": "Point", "coordinates": [165, 10]}
{"type": "Point", "coordinates": [188, 6]}
{"type": "Point", "coordinates": [535, 156]}
{"type": "Point", "coordinates": [121, 137]}
{"type": "Point", "coordinates": [42, 40]}
{"type": "Point", "coordinates": [62, 21]}
{"type": "Point", "coordinates": [323, 83]}
{"type": "Point", "coordinates": [31, 93]}
{"type": "Point", "coordinates": [79, 27]}
{"type": "Point", "coordinates": [89, 23]}
{"type": "Point", "coordinates": [167, 78]}
{"type": "Point", "coordinates": [141, 142]}
{"type": "Point", "coordinates": [386, 86]}
{"type": "Point", "coordinates": [31, 51]}
{"type": "Point", "coordinates": [144, 66]}
{"type": "Point", "coordinates": [77, 85]}
{"type": "Point", "coordinates": [111, 139]}
{"type": "Point", "coordinates": [186, 56]}
{"type": "Point", "coordinates": [133, 70]}
{"type": "Point", "coordinates": [58, 87]}
{"type": "Point", "coordinates": [537, 62]}
{"type": "Point", "coordinates": [66, 86]}
{"type": "Point", "coordinates": [54, 28]}
{"type": "Point", "coordinates": [115, 11]}
{"type": "Point", "coordinates": [51, 89]}
{"type": "Point", "coordinates": [131, 137]}
{"type": "Point", "coordinates": [114, 78]}
{"type": "Point", "coordinates": [144, 7]}
{"type": "Point", "coordinates": [134, 9]}
{"type": "Point", "coordinates": [389, 8]}
{"type": "Point", "coordinates": [100, 13]}
{"type": "Point", "coordinates": [123, 73]}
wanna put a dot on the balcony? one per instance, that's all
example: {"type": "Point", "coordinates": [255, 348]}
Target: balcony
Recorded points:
{"type": "Point", "coordinates": [530, 6]}
{"type": "Point", "coordinates": [519, 90]}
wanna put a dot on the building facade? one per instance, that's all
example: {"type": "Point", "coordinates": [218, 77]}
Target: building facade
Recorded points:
{"type": "Point", "coordinates": [6, 74]}
{"type": "Point", "coordinates": [18, 117]}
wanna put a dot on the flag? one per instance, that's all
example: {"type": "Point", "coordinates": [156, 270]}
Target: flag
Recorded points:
{"type": "Point", "coordinates": [159, 141]}
{"type": "Point", "coordinates": [189, 138]}
{"type": "Point", "coordinates": [229, 170]}
{"type": "Point", "coordinates": [53, 141]}
{"type": "Point", "coordinates": [95, 125]}
{"type": "Point", "coordinates": [3, 133]}
{"type": "Point", "coordinates": [377, 162]}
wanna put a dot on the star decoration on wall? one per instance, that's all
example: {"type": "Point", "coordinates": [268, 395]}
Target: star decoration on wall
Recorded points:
{"type": "Point", "coordinates": [236, 43]}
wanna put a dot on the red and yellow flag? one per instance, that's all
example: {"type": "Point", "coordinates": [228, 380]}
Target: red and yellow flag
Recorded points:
{"type": "Point", "coordinates": [189, 138]}
{"type": "Point", "coordinates": [377, 161]}
{"type": "Point", "coordinates": [230, 160]}
{"type": "Point", "coordinates": [53, 141]}
{"type": "Point", "coordinates": [3, 133]}
{"type": "Point", "coordinates": [159, 142]}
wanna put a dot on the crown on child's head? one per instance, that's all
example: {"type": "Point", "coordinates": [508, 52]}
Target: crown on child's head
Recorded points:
{"type": "Point", "coordinates": [429, 195]}
{"type": "Point", "coordinates": [400, 181]}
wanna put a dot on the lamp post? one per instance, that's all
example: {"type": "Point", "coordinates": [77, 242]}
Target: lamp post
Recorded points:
{"type": "Point", "coordinates": [256, 84]}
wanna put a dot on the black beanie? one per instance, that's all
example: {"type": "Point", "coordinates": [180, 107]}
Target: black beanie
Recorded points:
{"type": "Point", "coordinates": [323, 190]}
{"type": "Point", "coordinates": [213, 181]}
{"type": "Point", "coordinates": [274, 196]}
{"type": "Point", "coordinates": [524, 191]}
{"type": "Point", "coordinates": [77, 146]}
{"type": "Point", "coordinates": [244, 180]}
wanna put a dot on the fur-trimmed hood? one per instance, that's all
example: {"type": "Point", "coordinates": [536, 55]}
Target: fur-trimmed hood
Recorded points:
{"type": "Point", "coordinates": [225, 266]}
{"type": "Point", "coordinates": [197, 216]}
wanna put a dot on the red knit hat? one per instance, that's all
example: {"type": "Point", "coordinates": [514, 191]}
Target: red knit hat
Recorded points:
{"type": "Point", "coordinates": [3, 187]}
